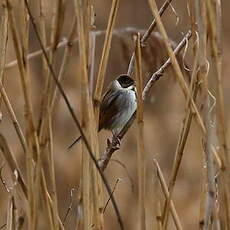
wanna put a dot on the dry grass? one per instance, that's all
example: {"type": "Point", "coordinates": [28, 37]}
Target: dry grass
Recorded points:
{"type": "Point", "coordinates": [37, 170]}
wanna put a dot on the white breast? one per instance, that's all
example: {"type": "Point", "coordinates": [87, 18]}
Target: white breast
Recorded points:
{"type": "Point", "coordinates": [128, 104]}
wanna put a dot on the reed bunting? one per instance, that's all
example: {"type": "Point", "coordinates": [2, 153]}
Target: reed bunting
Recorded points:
{"type": "Point", "coordinates": [117, 106]}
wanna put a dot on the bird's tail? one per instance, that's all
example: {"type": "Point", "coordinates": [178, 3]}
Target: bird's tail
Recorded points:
{"type": "Point", "coordinates": [75, 142]}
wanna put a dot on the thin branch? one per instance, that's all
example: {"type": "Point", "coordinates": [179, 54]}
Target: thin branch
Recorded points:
{"type": "Point", "coordinates": [114, 188]}
{"type": "Point", "coordinates": [126, 171]}
{"type": "Point", "coordinates": [70, 206]}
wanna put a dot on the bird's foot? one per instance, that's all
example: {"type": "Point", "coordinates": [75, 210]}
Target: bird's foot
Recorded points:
{"type": "Point", "coordinates": [116, 140]}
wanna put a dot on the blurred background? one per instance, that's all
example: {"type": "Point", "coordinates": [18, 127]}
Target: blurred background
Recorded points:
{"type": "Point", "coordinates": [163, 113]}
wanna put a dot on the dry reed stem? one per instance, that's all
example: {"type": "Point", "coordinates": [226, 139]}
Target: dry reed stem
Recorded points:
{"type": "Point", "coordinates": [65, 61]}
{"type": "Point", "coordinates": [157, 200]}
{"type": "Point", "coordinates": [158, 217]}
{"type": "Point", "coordinates": [194, 86]}
{"type": "Point", "coordinates": [3, 44]}
{"type": "Point", "coordinates": [47, 119]}
{"type": "Point", "coordinates": [165, 190]}
{"type": "Point", "coordinates": [77, 123]}
{"type": "Point", "coordinates": [105, 56]}
{"type": "Point", "coordinates": [48, 206]}
{"type": "Point", "coordinates": [12, 163]}
{"type": "Point", "coordinates": [31, 136]}
{"type": "Point", "coordinates": [58, 19]}
{"type": "Point", "coordinates": [176, 67]}
{"type": "Point", "coordinates": [91, 193]}
{"type": "Point", "coordinates": [96, 186]}
{"type": "Point", "coordinates": [42, 29]}
{"type": "Point", "coordinates": [140, 136]}
{"type": "Point", "coordinates": [178, 156]}
{"type": "Point", "coordinates": [146, 35]}
{"type": "Point", "coordinates": [209, 199]}
{"type": "Point", "coordinates": [215, 21]}
{"type": "Point", "coordinates": [10, 225]}
{"type": "Point", "coordinates": [56, 26]}
{"type": "Point", "coordinates": [3, 36]}
{"type": "Point", "coordinates": [13, 117]}
{"type": "Point", "coordinates": [18, 131]}
{"type": "Point", "coordinates": [86, 109]}
{"type": "Point", "coordinates": [42, 131]}
{"type": "Point", "coordinates": [32, 140]}
{"type": "Point", "coordinates": [92, 61]}
{"type": "Point", "coordinates": [192, 19]}
{"type": "Point", "coordinates": [50, 161]}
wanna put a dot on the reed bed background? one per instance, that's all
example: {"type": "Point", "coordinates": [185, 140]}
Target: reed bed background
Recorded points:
{"type": "Point", "coordinates": [171, 170]}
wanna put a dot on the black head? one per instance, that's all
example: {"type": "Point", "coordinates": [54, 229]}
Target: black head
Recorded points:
{"type": "Point", "coordinates": [125, 81]}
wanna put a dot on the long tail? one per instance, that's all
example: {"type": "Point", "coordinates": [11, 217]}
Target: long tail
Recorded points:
{"type": "Point", "coordinates": [75, 142]}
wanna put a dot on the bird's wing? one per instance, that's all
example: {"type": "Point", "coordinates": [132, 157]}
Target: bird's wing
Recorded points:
{"type": "Point", "coordinates": [109, 108]}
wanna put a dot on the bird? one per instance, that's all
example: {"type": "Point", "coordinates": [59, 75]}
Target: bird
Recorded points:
{"type": "Point", "coordinates": [117, 106]}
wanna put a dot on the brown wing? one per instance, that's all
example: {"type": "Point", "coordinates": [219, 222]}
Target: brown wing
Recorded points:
{"type": "Point", "coordinates": [109, 109]}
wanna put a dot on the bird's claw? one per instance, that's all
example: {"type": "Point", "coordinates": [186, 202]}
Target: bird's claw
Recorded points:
{"type": "Point", "coordinates": [115, 143]}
